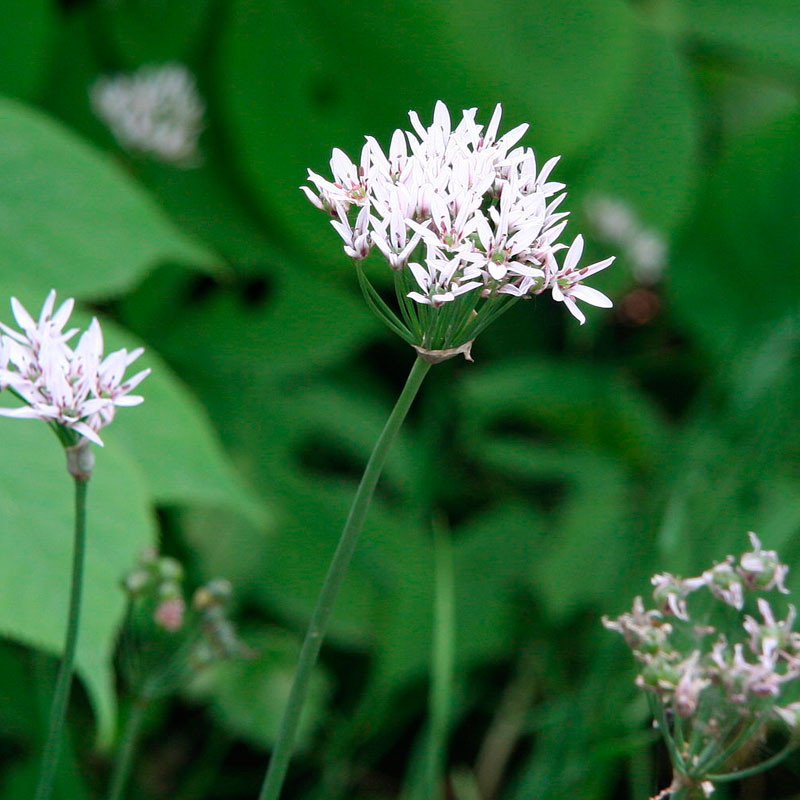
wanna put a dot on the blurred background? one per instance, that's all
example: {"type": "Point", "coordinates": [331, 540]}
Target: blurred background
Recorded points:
{"type": "Point", "coordinates": [565, 465]}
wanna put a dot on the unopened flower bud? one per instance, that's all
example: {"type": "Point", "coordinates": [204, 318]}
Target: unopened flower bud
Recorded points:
{"type": "Point", "coordinates": [169, 613]}
{"type": "Point", "coordinates": [170, 569]}
{"type": "Point", "coordinates": [169, 589]}
{"type": "Point", "coordinates": [136, 582]}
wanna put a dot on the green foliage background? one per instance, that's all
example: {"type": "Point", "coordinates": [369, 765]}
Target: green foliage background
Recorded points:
{"type": "Point", "coordinates": [568, 463]}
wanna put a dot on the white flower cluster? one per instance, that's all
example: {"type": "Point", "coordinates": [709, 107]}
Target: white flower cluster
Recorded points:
{"type": "Point", "coordinates": [157, 110]}
{"type": "Point", "coordinates": [74, 388]}
{"type": "Point", "coordinates": [463, 209]}
{"type": "Point", "coordinates": [722, 689]}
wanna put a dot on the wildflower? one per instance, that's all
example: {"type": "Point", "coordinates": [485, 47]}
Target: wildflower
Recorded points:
{"type": "Point", "coordinates": [567, 282]}
{"type": "Point", "coordinates": [715, 690]}
{"type": "Point", "coordinates": [157, 111]}
{"type": "Point", "coordinates": [464, 218]}
{"type": "Point", "coordinates": [671, 593]}
{"type": "Point", "coordinates": [725, 583]}
{"type": "Point", "coordinates": [761, 569]}
{"type": "Point", "coordinates": [75, 389]}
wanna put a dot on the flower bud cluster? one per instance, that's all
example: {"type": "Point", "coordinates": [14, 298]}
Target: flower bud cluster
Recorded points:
{"type": "Point", "coordinates": [165, 641]}
{"type": "Point", "coordinates": [460, 209]}
{"type": "Point", "coordinates": [718, 681]}
{"type": "Point", "coordinates": [159, 578]}
{"type": "Point", "coordinates": [77, 390]}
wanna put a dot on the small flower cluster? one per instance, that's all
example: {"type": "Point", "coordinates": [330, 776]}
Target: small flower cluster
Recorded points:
{"type": "Point", "coordinates": [718, 688]}
{"type": "Point", "coordinates": [164, 641]}
{"type": "Point", "coordinates": [77, 390]}
{"type": "Point", "coordinates": [457, 211]}
{"type": "Point", "coordinates": [618, 224]}
{"type": "Point", "coordinates": [157, 111]}
{"type": "Point", "coordinates": [160, 578]}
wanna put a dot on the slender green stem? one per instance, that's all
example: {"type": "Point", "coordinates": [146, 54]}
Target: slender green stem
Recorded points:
{"type": "Point", "coordinates": [123, 760]}
{"type": "Point", "coordinates": [58, 709]}
{"type": "Point", "coordinates": [281, 755]}
{"type": "Point", "coordinates": [442, 660]}
{"type": "Point", "coordinates": [762, 767]}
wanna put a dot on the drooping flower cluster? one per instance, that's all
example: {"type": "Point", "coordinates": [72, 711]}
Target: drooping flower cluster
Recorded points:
{"type": "Point", "coordinates": [718, 686]}
{"type": "Point", "coordinates": [458, 212]}
{"type": "Point", "coordinates": [76, 390]}
{"type": "Point", "coordinates": [157, 110]}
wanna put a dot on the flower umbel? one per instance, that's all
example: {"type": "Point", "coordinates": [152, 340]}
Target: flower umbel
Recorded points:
{"type": "Point", "coordinates": [467, 220]}
{"type": "Point", "coordinates": [75, 390]}
{"type": "Point", "coordinates": [157, 110]}
{"type": "Point", "coordinates": [714, 689]}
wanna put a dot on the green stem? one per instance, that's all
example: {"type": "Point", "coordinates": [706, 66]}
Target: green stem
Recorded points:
{"type": "Point", "coordinates": [282, 754]}
{"type": "Point", "coordinates": [442, 660]}
{"type": "Point", "coordinates": [762, 767]}
{"type": "Point", "coordinates": [58, 709]}
{"type": "Point", "coordinates": [127, 748]}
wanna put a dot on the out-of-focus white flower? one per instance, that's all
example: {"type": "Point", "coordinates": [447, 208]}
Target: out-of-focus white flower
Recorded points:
{"type": "Point", "coordinates": [617, 223]}
{"type": "Point", "coordinates": [460, 213]}
{"type": "Point", "coordinates": [725, 583]}
{"type": "Point", "coordinates": [75, 388]}
{"type": "Point", "coordinates": [157, 110]}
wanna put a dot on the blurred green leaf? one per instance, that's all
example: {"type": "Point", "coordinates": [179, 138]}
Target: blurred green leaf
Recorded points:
{"type": "Point", "coordinates": [762, 31]}
{"type": "Point", "coordinates": [36, 548]}
{"type": "Point", "coordinates": [71, 219]}
{"type": "Point", "coordinates": [649, 156]}
{"type": "Point", "coordinates": [151, 31]}
{"type": "Point", "coordinates": [578, 402]}
{"type": "Point", "coordinates": [716, 285]}
{"type": "Point", "coordinates": [27, 31]}
{"type": "Point", "coordinates": [248, 694]}
{"type": "Point", "coordinates": [172, 439]}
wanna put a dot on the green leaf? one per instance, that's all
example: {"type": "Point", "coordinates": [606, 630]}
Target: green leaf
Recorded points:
{"type": "Point", "coordinates": [303, 323]}
{"type": "Point", "coordinates": [172, 439]}
{"type": "Point", "coordinates": [648, 158]}
{"type": "Point", "coordinates": [147, 31]}
{"type": "Point", "coordinates": [248, 695]}
{"type": "Point", "coordinates": [36, 548]}
{"type": "Point", "coordinates": [762, 31]}
{"type": "Point", "coordinates": [26, 30]}
{"type": "Point", "coordinates": [71, 219]}
{"type": "Point", "coordinates": [755, 182]}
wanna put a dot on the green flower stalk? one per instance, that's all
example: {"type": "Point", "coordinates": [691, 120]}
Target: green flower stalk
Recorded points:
{"type": "Point", "coordinates": [468, 224]}
{"type": "Point", "coordinates": [76, 391]}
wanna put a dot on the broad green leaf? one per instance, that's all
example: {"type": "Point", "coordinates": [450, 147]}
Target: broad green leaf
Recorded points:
{"type": "Point", "coordinates": [761, 31]}
{"type": "Point", "coordinates": [580, 402]}
{"type": "Point", "coordinates": [292, 91]}
{"type": "Point", "coordinates": [302, 323]}
{"type": "Point", "coordinates": [172, 439]}
{"type": "Point", "coordinates": [71, 219]}
{"type": "Point", "coordinates": [715, 287]}
{"type": "Point", "coordinates": [36, 509]}
{"type": "Point", "coordinates": [27, 31]}
{"type": "Point", "coordinates": [148, 31]}
{"type": "Point", "coordinates": [648, 158]}
{"type": "Point", "coordinates": [248, 695]}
